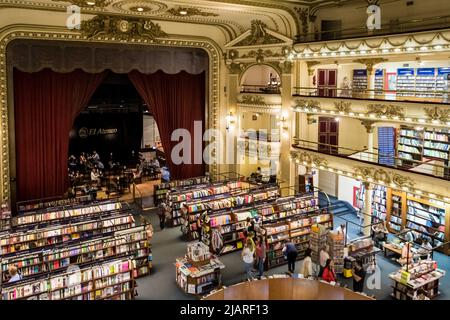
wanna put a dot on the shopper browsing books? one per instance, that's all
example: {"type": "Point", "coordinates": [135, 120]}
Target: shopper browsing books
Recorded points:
{"type": "Point", "coordinates": [380, 232]}
{"type": "Point", "coordinates": [328, 272]}
{"type": "Point", "coordinates": [290, 253]}
{"type": "Point", "coordinates": [359, 276]}
{"type": "Point", "coordinates": [13, 272]}
{"type": "Point", "coordinates": [248, 254]}
{"type": "Point", "coordinates": [343, 229]}
{"type": "Point", "coordinates": [260, 256]}
{"type": "Point", "coordinates": [307, 264]}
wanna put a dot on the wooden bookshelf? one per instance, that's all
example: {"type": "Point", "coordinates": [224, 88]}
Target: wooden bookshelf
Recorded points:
{"type": "Point", "coordinates": [162, 189]}
{"type": "Point", "coordinates": [112, 280]}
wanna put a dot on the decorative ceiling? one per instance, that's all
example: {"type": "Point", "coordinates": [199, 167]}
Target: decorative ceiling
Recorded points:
{"type": "Point", "coordinates": [233, 17]}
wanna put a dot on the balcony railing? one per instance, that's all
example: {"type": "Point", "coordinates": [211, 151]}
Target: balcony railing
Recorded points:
{"type": "Point", "coordinates": [431, 96]}
{"type": "Point", "coordinates": [269, 89]}
{"type": "Point", "coordinates": [393, 27]}
{"type": "Point", "coordinates": [387, 160]}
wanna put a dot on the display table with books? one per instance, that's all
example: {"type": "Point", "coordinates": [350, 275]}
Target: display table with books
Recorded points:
{"type": "Point", "coordinates": [199, 271]}
{"type": "Point", "coordinates": [419, 278]}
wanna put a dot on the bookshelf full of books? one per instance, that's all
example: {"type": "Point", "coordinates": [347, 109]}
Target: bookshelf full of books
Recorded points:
{"type": "Point", "coordinates": [223, 201]}
{"type": "Point", "coordinates": [48, 244]}
{"type": "Point", "coordinates": [111, 280]}
{"type": "Point", "coordinates": [420, 277]}
{"type": "Point", "coordinates": [23, 207]}
{"type": "Point", "coordinates": [179, 198]}
{"type": "Point", "coordinates": [379, 203]}
{"type": "Point", "coordinates": [336, 244]}
{"type": "Point", "coordinates": [359, 80]}
{"type": "Point", "coordinates": [296, 230]}
{"type": "Point", "coordinates": [406, 82]}
{"type": "Point", "coordinates": [396, 212]}
{"type": "Point", "coordinates": [5, 217]}
{"type": "Point", "coordinates": [162, 189]}
{"type": "Point", "coordinates": [379, 82]}
{"type": "Point", "coordinates": [422, 145]}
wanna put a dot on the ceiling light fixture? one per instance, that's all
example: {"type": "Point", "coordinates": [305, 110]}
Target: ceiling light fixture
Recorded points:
{"type": "Point", "coordinates": [90, 3]}
{"type": "Point", "coordinates": [183, 12]}
{"type": "Point", "coordinates": [140, 9]}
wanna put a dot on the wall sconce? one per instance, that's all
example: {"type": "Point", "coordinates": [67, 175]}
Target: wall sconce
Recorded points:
{"type": "Point", "coordinates": [230, 121]}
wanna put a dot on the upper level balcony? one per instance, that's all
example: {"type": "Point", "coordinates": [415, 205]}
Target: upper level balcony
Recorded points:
{"type": "Point", "coordinates": [395, 26]}
{"type": "Point", "coordinates": [429, 167]}
{"type": "Point", "coordinates": [429, 95]}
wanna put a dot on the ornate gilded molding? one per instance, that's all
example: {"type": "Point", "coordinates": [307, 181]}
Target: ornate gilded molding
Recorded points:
{"type": "Point", "coordinates": [87, 4]}
{"type": "Point", "coordinates": [259, 35]}
{"type": "Point", "coordinates": [310, 119]}
{"type": "Point", "coordinates": [381, 175]}
{"type": "Point", "coordinates": [311, 104]}
{"type": "Point", "coordinates": [260, 53]}
{"type": "Point", "coordinates": [437, 114]}
{"type": "Point", "coordinates": [18, 32]}
{"type": "Point", "coordinates": [343, 106]}
{"type": "Point", "coordinates": [370, 63]}
{"type": "Point", "coordinates": [189, 12]}
{"type": "Point", "coordinates": [121, 28]}
{"type": "Point", "coordinates": [285, 67]}
{"type": "Point", "coordinates": [308, 158]}
{"type": "Point", "coordinates": [311, 64]}
{"type": "Point", "coordinates": [388, 111]}
{"type": "Point", "coordinates": [368, 124]}
{"type": "Point", "coordinates": [303, 15]}
{"type": "Point", "coordinates": [252, 99]}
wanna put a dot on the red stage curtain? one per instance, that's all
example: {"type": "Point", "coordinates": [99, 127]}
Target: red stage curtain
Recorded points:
{"type": "Point", "coordinates": [176, 101]}
{"type": "Point", "coordinates": [46, 104]}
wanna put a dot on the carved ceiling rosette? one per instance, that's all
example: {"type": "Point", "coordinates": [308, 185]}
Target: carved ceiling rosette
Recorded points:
{"type": "Point", "coordinates": [189, 12]}
{"type": "Point", "coordinates": [122, 28]}
{"type": "Point", "coordinates": [390, 111]}
{"type": "Point", "coordinates": [343, 106]}
{"type": "Point", "coordinates": [437, 114]}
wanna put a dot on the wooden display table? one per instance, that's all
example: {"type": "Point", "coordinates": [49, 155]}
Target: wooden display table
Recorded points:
{"type": "Point", "coordinates": [285, 289]}
{"type": "Point", "coordinates": [199, 278]}
{"type": "Point", "coordinates": [421, 278]}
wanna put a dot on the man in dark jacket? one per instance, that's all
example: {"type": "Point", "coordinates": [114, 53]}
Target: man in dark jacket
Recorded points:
{"type": "Point", "coordinates": [290, 252]}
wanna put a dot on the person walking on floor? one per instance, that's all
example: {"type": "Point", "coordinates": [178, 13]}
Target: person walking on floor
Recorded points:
{"type": "Point", "coordinates": [307, 264]}
{"type": "Point", "coordinates": [260, 256]}
{"type": "Point", "coordinates": [328, 272]}
{"type": "Point", "coordinates": [248, 256]}
{"type": "Point", "coordinates": [162, 215]}
{"type": "Point", "coordinates": [290, 252]}
{"type": "Point", "coordinates": [359, 276]}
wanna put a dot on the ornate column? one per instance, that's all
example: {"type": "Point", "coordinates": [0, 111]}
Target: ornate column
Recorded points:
{"type": "Point", "coordinates": [367, 217]}
{"type": "Point", "coordinates": [369, 125]}
{"type": "Point", "coordinates": [286, 134]}
{"type": "Point", "coordinates": [370, 63]}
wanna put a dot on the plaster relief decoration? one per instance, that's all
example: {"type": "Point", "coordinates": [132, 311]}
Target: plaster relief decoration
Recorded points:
{"type": "Point", "coordinates": [261, 54]}
{"type": "Point", "coordinates": [437, 114]}
{"type": "Point", "coordinates": [122, 28]}
{"type": "Point", "coordinates": [343, 106]}
{"type": "Point", "coordinates": [308, 159]}
{"type": "Point", "coordinates": [87, 3]}
{"type": "Point", "coordinates": [382, 176]}
{"type": "Point", "coordinates": [314, 105]}
{"type": "Point", "coordinates": [310, 65]}
{"type": "Point", "coordinates": [259, 35]}
{"type": "Point", "coordinates": [252, 99]}
{"type": "Point", "coordinates": [386, 111]}
{"type": "Point", "coordinates": [189, 12]}
{"type": "Point", "coordinates": [303, 14]}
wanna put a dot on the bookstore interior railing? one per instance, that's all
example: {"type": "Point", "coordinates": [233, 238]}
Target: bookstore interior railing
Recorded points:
{"type": "Point", "coordinates": [441, 171]}
{"type": "Point", "coordinates": [392, 27]}
{"type": "Point", "coordinates": [435, 96]}
{"type": "Point", "coordinates": [269, 89]}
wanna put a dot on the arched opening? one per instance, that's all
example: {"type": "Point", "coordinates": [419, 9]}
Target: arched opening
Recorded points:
{"type": "Point", "coordinates": [260, 78]}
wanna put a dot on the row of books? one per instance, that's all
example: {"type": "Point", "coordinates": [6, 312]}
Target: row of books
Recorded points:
{"type": "Point", "coordinates": [22, 207]}
{"type": "Point", "coordinates": [101, 281]}
{"type": "Point", "coordinates": [134, 243]}
{"type": "Point", "coordinates": [50, 215]}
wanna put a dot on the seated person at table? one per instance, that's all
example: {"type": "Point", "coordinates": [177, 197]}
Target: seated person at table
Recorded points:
{"type": "Point", "coordinates": [95, 176]}
{"type": "Point", "coordinates": [72, 162]}
{"type": "Point", "coordinates": [380, 232]}
{"type": "Point", "coordinates": [155, 163]}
